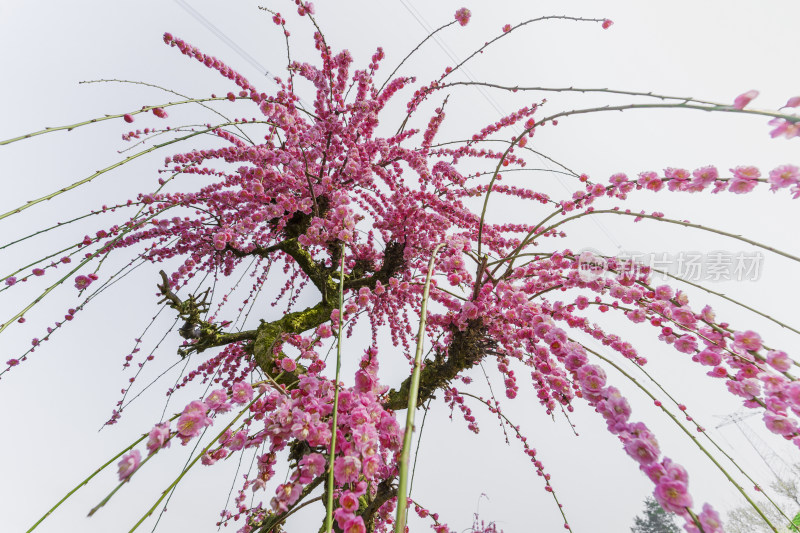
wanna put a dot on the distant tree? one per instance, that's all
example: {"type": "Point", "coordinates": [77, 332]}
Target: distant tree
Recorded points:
{"type": "Point", "coordinates": [655, 519]}
{"type": "Point", "coordinates": [747, 520]}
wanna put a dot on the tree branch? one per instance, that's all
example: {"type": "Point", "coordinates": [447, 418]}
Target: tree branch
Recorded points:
{"type": "Point", "coordinates": [206, 334]}
{"type": "Point", "coordinates": [466, 349]}
{"type": "Point", "coordinates": [268, 335]}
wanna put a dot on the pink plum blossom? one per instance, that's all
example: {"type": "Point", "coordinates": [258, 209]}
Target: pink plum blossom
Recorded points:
{"type": "Point", "coordinates": [672, 495]}
{"type": "Point", "coordinates": [643, 451]}
{"type": "Point", "coordinates": [349, 501]}
{"type": "Point", "coordinates": [784, 127]}
{"type": "Point", "coordinates": [311, 466]}
{"type": "Point", "coordinates": [346, 469]}
{"type": "Point", "coordinates": [741, 186]}
{"type": "Point", "coordinates": [710, 520]}
{"type": "Point", "coordinates": [650, 181]}
{"type": "Point", "coordinates": [463, 15]}
{"type": "Point", "coordinates": [286, 495]}
{"type": "Point", "coordinates": [705, 176]}
{"type": "Point", "coordinates": [684, 316]}
{"type": "Point", "coordinates": [792, 392]}
{"type": "Point", "coordinates": [779, 360]}
{"type": "Point", "coordinates": [355, 525]}
{"type": "Point", "coordinates": [664, 292]}
{"type": "Point", "coordinates": [81, 282]}
{"type": "Point", "coordinates": [288, 364]}
{"type": "Point", "coordinates": [190, 425]}
{"type": "Point", "coordinates": [784, 176]}
{"type": "Point", "coordinates": [217, 401]}
{"type": "Point", "coordinates": [371, 466]}
{"type": "Point", "coordinates": [242, 392]}
{"type": "Point", "coordinates": [365, 381]}
{"type": "Point", "coordinates": [592, 378]}
{"type": "Point", "coordinates": [343, 517]}
{"type": "Point", "coordinates": [192, 421]}
{"type": "Point", "coordinates": [747, 340]}
{"type": "Point", "coordinates": [709, 357]}
{"type": "Point", "coordinates": [686, 344]}
{"type": "Point", "coordinates": [779, 424]}
{"type": "Point", "coordinates": [128, 465]}
{"type": "Point", "coordinates": [238, 441]}
{"type": "Point", "coordinates": [158, 438]}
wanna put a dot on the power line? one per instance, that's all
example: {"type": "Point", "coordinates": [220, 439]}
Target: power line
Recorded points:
{"type": "Point", "coordinates": [230, 42]}
{"type": "Point", "coordinates": [774, 462]}
{"type": "Point", "coordinates": [222, 37]}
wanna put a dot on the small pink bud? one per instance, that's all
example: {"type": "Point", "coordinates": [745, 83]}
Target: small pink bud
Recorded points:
{"type": "Point", "coordinates": [794, 101]}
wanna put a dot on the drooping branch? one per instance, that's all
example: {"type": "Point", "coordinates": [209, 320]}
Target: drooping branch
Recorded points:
{"type": "Point", "coordinates": [31, 203]}
{"type": "Point", "coordinates": [144, 109]}
{"type": "Point", "coordinates": [606, 90]}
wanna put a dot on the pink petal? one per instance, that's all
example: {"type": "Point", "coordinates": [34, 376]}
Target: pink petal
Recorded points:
{"type": "Point", "coordinates": [793, 102]}
{"type": "Point", "coordinates": [744, 99]}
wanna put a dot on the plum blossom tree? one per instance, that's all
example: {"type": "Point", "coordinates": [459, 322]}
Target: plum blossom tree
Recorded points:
{"type": "Point", "coordinates": [359, 224]}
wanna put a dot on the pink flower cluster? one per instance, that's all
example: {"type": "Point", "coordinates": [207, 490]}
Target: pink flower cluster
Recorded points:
{"type": "Point", "coordinates": [743, 180]}
{"type": "Point", "coordinates": [368, 437]}
{"type": "Point", "coordinates": [368, 441]}
{"type": "Point", "coordinates": [81, 281]}
{"type": "Point", "coordinates": [670, 479]}
{"type": "Point", "coordinates": [463, 15]}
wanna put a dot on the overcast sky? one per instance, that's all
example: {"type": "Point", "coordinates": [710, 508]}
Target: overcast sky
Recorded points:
{"type": "Point", "coordinates": [52, 406]}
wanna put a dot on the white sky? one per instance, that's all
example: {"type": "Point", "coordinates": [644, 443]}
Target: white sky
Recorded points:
{"type": "Point", "coordinates": [52, 406]}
